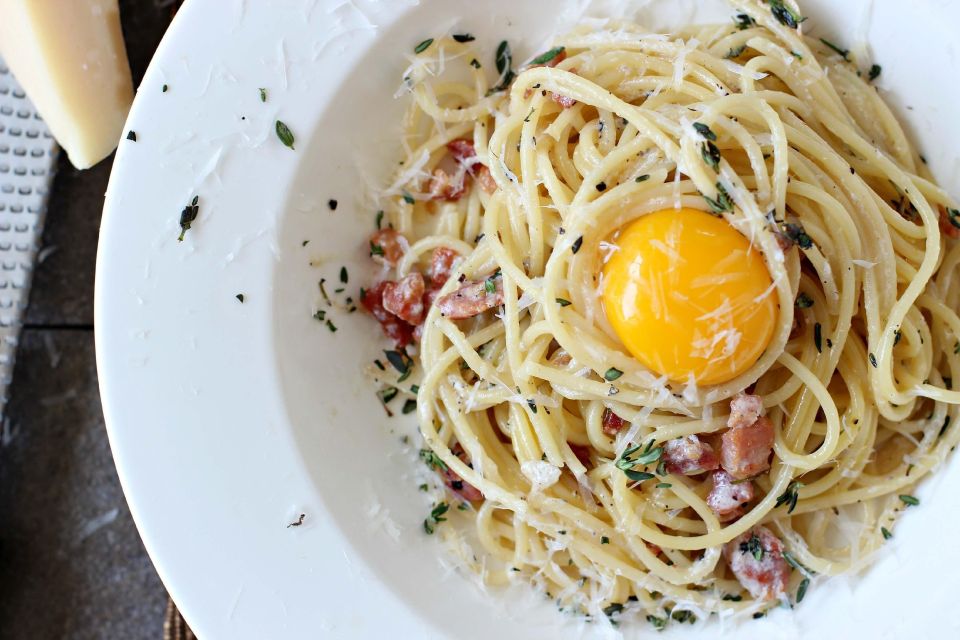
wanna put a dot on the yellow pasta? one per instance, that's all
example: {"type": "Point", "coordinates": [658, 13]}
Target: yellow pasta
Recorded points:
{"type": "Point", "coordinates": [856, 379]}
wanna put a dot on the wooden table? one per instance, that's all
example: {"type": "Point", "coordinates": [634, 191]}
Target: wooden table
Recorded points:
{"type": "Point", "coordinates": [71, 561]}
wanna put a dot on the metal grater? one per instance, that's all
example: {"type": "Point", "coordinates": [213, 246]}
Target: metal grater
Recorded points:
{"type": "Point", "coordinates": [28, 160]}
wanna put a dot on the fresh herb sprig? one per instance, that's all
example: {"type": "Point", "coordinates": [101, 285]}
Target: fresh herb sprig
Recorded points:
{"type": "Point", "coordinates": [790, 496]}
{"type": "Point", "coordinates": [722, 203]}
{"type": "Point", "coordinates": [628, 463]}
{"type": "Point", "coordinates": [188, 216]}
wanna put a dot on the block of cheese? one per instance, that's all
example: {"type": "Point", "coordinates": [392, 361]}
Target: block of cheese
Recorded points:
{"type": "Point", "coordinates": [70, 58]}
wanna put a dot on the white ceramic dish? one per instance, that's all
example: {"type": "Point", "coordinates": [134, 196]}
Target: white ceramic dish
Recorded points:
{"type": "Point", "coordinates": [227, 420]}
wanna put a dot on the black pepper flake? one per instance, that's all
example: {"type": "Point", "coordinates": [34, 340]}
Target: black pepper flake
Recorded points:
{"type": "Point", "coordinates": [165, 88]}
{"type": "Point", "coordinates": [298, 521]}
{"type": "Point", "coordinates": [332, 204]}
{"type": "Point", "coordinates": [875, 71]}
{"type": "Point", "coordinates": [344, 277]}
{"type": "Point", "coordinates": [577, 244]}
{"type": "Point", "coordinates": [601, 186]}
{"type": "Point", "coordinates": [240, 297]}
{"type": "Point", "coordinates": [132, 136]}
{"type": "Point", "coordinates": [463, 37]}
{"type": "Point", "coordinates": [642, 178]}
{"type": "Point", "coordinates": [533, 405]}
{"type": "Point", "coordinates": [873, 360]}
{"type": "Point", "coordinates": [409, 406]}
{"type": "Point", "coordinates": [818, 337]}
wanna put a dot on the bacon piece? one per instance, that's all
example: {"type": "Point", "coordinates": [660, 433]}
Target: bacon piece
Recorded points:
{"type": "Point", "coordinates": [728, 499]}
{"type": "Point", "coordinates": [457, 484]}
{"type": "Point", "coordinates": [612, 423]}
{"type": "Point", "coordinates": [404, 299]}
{"type": "Point", "coordinates": [948, 224]}
{"type": "Point", "coordinates": [387, 246]}
{"type": "Point", "coordinates": [766, 578]}
{"type": "Point", "coordinates": [472, 299]}
{"type": "Point", "coordinates": [564, 101]}
{"type": "Point", "coordinates": [441, 266]}
{"type": "Point", "coordinates": [447, 187]}
{"type": "Point", "coordinates": [745, 450]}
{"type": "Point", "coordinates": [396, 329]}
{"type": "Point", "coordinates": [689, 456]}
{"type": "Point", "coordinates": [745, 408]}
{"type": "Point", "coordinates": [463, 152]}
{"type": "Point", "coordinates": [485, 179]}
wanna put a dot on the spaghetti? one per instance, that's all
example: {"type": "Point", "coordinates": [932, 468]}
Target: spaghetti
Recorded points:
{"type": "Point", "coordinates": [570, 453]}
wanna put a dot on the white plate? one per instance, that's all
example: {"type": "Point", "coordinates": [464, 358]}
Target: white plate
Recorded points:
{"type": "Point", "coordinates": [227, 420]}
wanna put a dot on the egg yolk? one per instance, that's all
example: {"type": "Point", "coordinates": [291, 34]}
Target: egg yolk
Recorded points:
{"type": "Point", "coordinates": [687, 294]}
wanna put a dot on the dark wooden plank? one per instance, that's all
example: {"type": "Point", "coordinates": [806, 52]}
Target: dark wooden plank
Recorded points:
{"type": "Point", "coordinates": [71, 561]}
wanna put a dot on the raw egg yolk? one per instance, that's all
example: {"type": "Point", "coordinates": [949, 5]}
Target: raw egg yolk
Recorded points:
{"type": "Point", "coordinates": [688, 295]}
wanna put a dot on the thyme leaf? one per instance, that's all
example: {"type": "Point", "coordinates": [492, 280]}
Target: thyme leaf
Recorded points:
{"type": "Point", "coordinates": [843, 53]}
{"type": "Point", "coordinates": [789, 497]}
{"type": "Point", "coordinates": [423, 46]}
{"type": "Point", "coordinates": [612, 374]}
{"type": "Point", "coordinates": [784, 14]}
{"type": "Point", "coordinates": [284, 133]}
{"type": "Point", "coordinates": [547, 56]}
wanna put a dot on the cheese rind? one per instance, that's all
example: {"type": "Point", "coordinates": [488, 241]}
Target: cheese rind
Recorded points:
{"type": "Point", "coordinates": [71, 60]}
